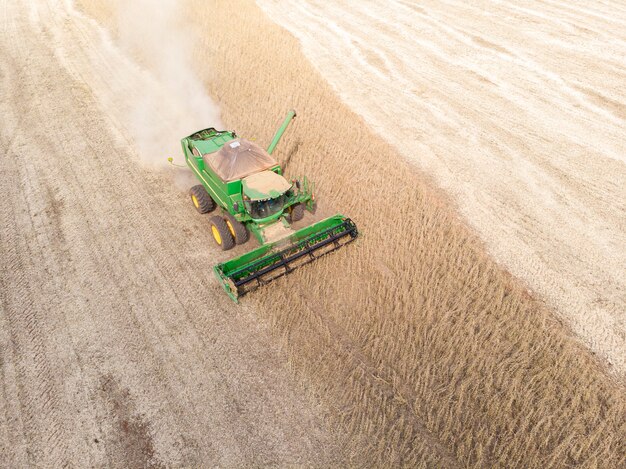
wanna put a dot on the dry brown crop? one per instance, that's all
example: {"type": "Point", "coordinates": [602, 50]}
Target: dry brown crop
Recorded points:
{"type": "Point", "coordinates": [427, 352]}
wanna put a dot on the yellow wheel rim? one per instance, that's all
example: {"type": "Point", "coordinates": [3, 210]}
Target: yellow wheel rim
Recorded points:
{"type": "Point", "coordinates": [230, 227]}
{"type": "Point", "coordinates": [216, 235]}
{"type": "Point", "coordinates": [195, 201]}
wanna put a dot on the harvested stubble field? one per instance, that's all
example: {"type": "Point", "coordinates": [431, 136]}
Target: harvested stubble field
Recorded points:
{"type": "Point", "coordinates": [424, 351]}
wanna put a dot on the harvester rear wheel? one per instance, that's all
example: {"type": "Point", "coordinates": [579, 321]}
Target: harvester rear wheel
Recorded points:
{"type": "Point", "coordinates": [237, 229]}
{"type": "Point", "coordinates": [221, 233]}
{"type": "Point", "coordinates": [201, 199]}
{"type": "Point", "coordinates": [297, 212]}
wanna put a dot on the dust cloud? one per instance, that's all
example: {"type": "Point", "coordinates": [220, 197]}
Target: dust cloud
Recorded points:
{"type": "Point", "coordinates": [157, 38]}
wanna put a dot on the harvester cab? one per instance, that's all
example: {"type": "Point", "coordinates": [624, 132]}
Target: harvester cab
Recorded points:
{"type": "Point", "coordinates": [264, 194]}
{"type": "Point", "coordinates": [247, 183]}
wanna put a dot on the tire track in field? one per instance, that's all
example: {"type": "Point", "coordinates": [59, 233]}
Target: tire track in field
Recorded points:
{"type": "Point", "coordinates": [28, 325]}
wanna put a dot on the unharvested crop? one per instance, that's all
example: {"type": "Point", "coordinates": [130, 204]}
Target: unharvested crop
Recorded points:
{"type": "Point", "coordinates": [425, 350]}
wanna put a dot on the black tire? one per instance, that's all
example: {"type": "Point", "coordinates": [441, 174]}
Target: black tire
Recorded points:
{"type": "Point", "coordinates": [221, 233]}
{"type": "Point", "coordinates": [297, 212]}
{"type": "Point", "coordinates": [201, 199]}
{"type": "Point", "coordinates": [237, 229]}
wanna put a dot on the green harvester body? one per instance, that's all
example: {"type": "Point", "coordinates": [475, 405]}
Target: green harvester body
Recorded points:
{"type": "Point", "coordinates": [235, 174]}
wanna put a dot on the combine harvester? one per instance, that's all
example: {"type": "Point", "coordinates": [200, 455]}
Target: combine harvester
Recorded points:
{"type": "Point", "coordinates": [248, 185]}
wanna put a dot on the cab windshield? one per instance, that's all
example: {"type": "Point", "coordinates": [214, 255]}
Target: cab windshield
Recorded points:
{"type": "Point", "coordinates": [266, 208]}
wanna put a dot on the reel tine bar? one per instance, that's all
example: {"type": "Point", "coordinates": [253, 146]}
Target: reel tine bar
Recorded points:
{"type": "Point", "coordinates": [306, 250]}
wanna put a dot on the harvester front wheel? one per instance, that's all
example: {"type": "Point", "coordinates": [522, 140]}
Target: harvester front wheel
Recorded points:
{"type": "Point", "coordinates": [237, 229]}
{"type": "Point", "coordinates": [201, 199]}
{"type": "Point", "coordinates": [297, 212]}
{"type": "Point", "coordinates": [221, 233]}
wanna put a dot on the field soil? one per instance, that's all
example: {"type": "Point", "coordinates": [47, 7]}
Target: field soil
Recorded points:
{"type": "Point", "coordinates": [115, 350]}
{"type": "Point", "coordinates": [409, 347]}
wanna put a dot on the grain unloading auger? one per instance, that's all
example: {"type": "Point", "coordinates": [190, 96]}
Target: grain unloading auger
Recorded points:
{"type": "Point", "coordinates": [248, 186]}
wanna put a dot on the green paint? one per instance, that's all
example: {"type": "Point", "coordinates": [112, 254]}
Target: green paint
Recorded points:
{"type": "Point", "coordinates": [265, 256]}
{"type": "Point", "coordinates": [279, 133]}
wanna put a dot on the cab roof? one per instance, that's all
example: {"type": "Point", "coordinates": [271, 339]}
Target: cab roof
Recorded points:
{"type": "Point", "coordinates": [265, 185]}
